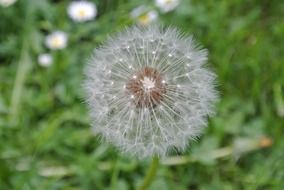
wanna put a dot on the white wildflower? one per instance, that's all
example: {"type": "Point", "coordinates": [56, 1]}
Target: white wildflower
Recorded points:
{"type": "Point", "coordinates": [148, 91]}
{"type": "Point", "coordinates": [143, 16]}
{"type": "Point", "coordinates": [138, 11]}
{"type": "Point", "coordinates": [7, 3]}
{"type": "Point", "coordinates": [167, 5]}
{"type": "Point", "coordinates": [81, 11]}
{"type": "Point", "coordinates": [45, 59]}
{"type": "Point", "coordinates": [56, 40]}
{"type": "Point", "coordinates": [147, 18]}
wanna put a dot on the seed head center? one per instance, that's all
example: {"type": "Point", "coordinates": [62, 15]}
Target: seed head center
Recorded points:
{"type": "Point", "coordinates": [147, 88]}
{"type": "Point", "coordinates": [148, 83]}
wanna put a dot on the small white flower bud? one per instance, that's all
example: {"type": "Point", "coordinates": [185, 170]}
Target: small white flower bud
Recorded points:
{"type": "Point", "coordinates": [45, 60]}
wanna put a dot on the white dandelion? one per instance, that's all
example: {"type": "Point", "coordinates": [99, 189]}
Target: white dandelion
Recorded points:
{"type": "Point", "coordinates": [143, 16]}
{"type": "Point", "coordinates": [167, 5]}
{"type": "Point", "coordinates": [148, 91]}
{"type": "Point", "coordinates": [81, 11]}
{"type": "Point", "coordinates": [56, 40]}
{"type": "Point", "coordinates": [7, 3]}
{"type": "Point", "coordinates": [45, 59]}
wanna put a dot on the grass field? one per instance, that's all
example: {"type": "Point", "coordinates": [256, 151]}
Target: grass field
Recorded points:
{"type": "Point", "coordinates": [45, 137]}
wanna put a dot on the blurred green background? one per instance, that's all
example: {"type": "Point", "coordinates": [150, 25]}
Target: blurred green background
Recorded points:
{"type": "Point", "coordinates": [45, 137]}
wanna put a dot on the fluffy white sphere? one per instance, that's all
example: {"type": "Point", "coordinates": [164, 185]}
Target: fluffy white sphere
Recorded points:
{"type": "Point", "coordinates": [148, 91]}
{"type": "Point", "coordinates": [81, 11]}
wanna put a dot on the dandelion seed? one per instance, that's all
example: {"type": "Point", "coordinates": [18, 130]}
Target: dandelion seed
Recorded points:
{"type": "Point", "coordinates": [156, 104]}
{"type": "Point", "coordinates": [56, 40]}
{"type": "Point", "coordinates": [167, 5]}
{"type": "Point", "coordinates": [45, 60]}
{"type": "Point", "coordinates": [81, 11]}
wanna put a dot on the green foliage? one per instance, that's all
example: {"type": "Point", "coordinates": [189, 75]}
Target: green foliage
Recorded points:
{"type": "Point", "coordinates": [45, 137]}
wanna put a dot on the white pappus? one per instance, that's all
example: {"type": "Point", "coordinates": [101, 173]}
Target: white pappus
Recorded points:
{"type": "Point", "coordinates": [148, 91]}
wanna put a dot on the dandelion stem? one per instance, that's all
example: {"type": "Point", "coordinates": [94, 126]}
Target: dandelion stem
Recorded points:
{"type": "Point", "coordinates": [22, 72]}
{"type": "Point", "coordinates": [150, 174]}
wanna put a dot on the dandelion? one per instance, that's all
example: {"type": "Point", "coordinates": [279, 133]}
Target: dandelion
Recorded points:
{"type": "Point", "coordinates": [7, 3]}
{"type": "Point", "coordinates": [45, 59]}
{"type": "Point", "coordinates": [56, 40]}
{"type": "Point", "coordinates": [143, 16]}
{"type": "Point", "coordinates": [148, 91]}
{"type": "Point", "coordinates": [167, 5]}
{"type": "Point", "coordinates": [81, 11]}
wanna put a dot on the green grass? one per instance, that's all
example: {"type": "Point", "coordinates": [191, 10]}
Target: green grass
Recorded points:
{"type": "Point", "coordinates": [45, 137]}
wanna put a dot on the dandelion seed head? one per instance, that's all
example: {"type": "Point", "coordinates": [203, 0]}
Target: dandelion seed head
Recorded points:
{"type": "Point", "coordinates": [152, 102]}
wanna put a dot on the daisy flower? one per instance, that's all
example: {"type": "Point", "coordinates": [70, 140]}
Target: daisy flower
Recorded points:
{"type": "Point", "coordinates": [147, 18]}
{"type": "Point", "coordinates": [7, 3]}
{"type": "Point", "coordinates": [56, 40]}
{"type": "Point", "coordinates": [148, 91]}
{"type": "Point", "coordinates": [45, 59]}
{"type": "Point", "coordinates": [81, 11]}
{"type": "Point", "coordinates": [167, 5]}
{"type": "Point", "coordinates": [142, 16]}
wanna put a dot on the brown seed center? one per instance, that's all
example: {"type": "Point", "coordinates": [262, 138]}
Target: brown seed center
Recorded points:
{"type": "Point", "coordinates": [146, 87]}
